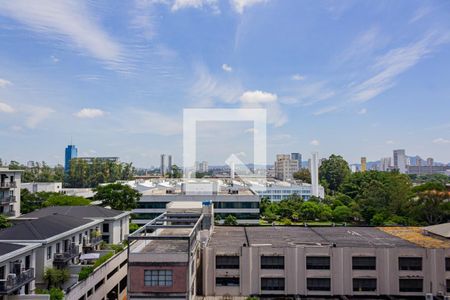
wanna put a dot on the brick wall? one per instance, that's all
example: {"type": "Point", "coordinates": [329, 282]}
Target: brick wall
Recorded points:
{"type": "Point", "coordinates": [136, 274]}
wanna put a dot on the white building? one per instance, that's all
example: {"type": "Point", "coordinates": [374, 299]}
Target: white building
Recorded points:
{"type": "Point", "coordinates": [201, 167]}
{"type": "Point", "coordinates": [10, 184]}
{"type": "Point", "coordinates": [285, 167]}
{"type": "Point", "coordinates": [385, 163]}
{"type": "Point", "coordinates": [400, 160]}
{"type": "Point", "coordinates": [36, 187]}
{"type": "Point", "coordinates": [279, 190]}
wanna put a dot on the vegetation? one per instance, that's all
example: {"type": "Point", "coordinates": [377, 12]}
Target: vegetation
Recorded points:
{"type": "Point", "coordinates": [66, 200]}
{"type": "Point", "coordinates": [176, 172]}
{"type": "Point", "coordinates": [55, 293]}
{"type": "Point", "coordinates": [39, 172]}
{"type": "Point", "coordinates": [366, 198]}
{"type": "Point", "coordinates": [117, 196]}
{"type": "Point", "coordinates": [55, 278]}
{"type": "Point", "coordinates": [4, 223]}
{"type": "Point", "coordinates": [230, 220]}
{"type": "Point", "coordinates": [31, 201]}
{"type": "Point", "coordinates": [133, 227]}
{"type": "Point", "coordinates": [303, 175]}
{"type": "Point", "coordinates": [87, 270]}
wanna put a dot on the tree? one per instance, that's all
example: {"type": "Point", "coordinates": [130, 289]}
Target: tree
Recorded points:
{"type": "Point", "coordinates": [56, 277]}
{"type": "Point", "coordinates": [310, 211]}
{"type": "Point", "coordinates": [342, 214]}
{"type": "Point", "coordinates": [66, 200]}
{"type": "Point", "coordinates": [4, 223]}
{"type": "Point", "coordinates": [303, 175]}
{"type": "Point", "coordinates": [230, 220]}
{"type": "Point", "coordinates": [434, 206]}
{"type": "Point", "coordinates": [334, 171]}
{"type": "Point", "coordinates": [117, 196]}
{"type": "Point", "coordinates": [176, 172]}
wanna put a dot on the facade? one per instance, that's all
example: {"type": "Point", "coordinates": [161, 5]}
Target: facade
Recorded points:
{"type": "Point", "coordinates": [284, 261]}
{"type": "Point", "coordinates": [400, 160]}
{"type": "Point", "coordinates": [363, 164]}
{"type": "Point", "coordinates": [36, 187]}
{"type": "Point", "coordinates": [285, 167]}
{"type": "Point", "coordinates": [71, 152]}
{"type": "Point", "coordinates": [10, 184]}
{"type": "Point", "coordinates": [428, 169]}
{"type": "Point", "coordinates": [201, 167]}
{"type": "Point", "coordinates": [385, 164]}
{"type": "Point", "coordinates": [298, 157]}
{"type": "Point", "coordinates": [169, 164]}
{"type": "Point", "coordinates": [277, 191]}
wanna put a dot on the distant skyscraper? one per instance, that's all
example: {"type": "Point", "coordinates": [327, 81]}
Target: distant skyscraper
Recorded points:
{"type": "Point", "coordinates": [163, 165]}
{"type": "Point", "coordinates": [385, 163]}
{"type": "Point", "coordinates": [430, 162]}
{"type": "Point", "coordinates": [298, 157]}
{"type": "Point", "coordinates": [400, 160]}
{"type": "Point", "coordinates": [71, 152]}
{"type": "Point", "coordinates": [363, 164]}
{"type": "Point", "coordinates": [169, 164]}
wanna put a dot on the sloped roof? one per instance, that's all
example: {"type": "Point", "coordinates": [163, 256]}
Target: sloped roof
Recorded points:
{"type": "Point", "coordinates": [89, 211]}
{"type": "Point", "coordinates": [439, 229]}
{"type": "Point", "coordinates": [42, 228]}
{"type": "Point", "coordinates": [6, 248]}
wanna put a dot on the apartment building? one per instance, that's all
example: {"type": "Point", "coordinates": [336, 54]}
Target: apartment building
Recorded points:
{"type": "Point", "coordinates": [285, 261]}
{"type": "Point", "coordinates": [10, 181]}
{"type": "Point", "coordinates": [228, 199]}
{"type": "Point", "coordinates": [285, 167]}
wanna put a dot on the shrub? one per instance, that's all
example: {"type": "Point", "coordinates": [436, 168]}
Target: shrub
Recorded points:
{"type": "Point", "coordinates": [102, 259]}
{"type": "Point", "coordinates": [85, 272]}
{"type": "Point", "coordinates": [55, 293]}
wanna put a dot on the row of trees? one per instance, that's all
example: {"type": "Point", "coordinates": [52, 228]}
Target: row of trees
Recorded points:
{"type": "Point", "coordinates": [372, 197]}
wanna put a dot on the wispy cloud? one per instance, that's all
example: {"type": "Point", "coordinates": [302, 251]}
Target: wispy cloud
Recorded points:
{"type": "Point", "coordinates": [258, 97]}
{"type": "Point", "coordinates": [69, 22]}
{"type": "Point", "coordinates": [298, 77]}
{"type": "Point", "coordinates": [389, 66]}
{"type": "Point", "coordinates": [240, 5]}
{"type": "Point", "coordinates": [326, 110]}
{"type": "Point", "coordinates": [441, 141]}
{"type": "Point", "coordinates": [362, 111]}
{"type": "Point", "coordinates": [4, 82]}
{"type": "Point", "coordinates": [6, 108]}
{"type": "Point", "coordinates": [420, 13]}
{"type": "Point", "coordinates": [227, 68]}
{"type": "Point", "coordinates": [389, 142]}
{"type": "Point", "coordinates": [309, 93]}
{"type": "Point", "coordinates": [140, 121]}
{"type": "Point", "coordinates": [36, 115]}
{"type": "Point", "coordinates": [89, 113]}
{"type": "Point", "coordinates": [180, 4]}
{"type": "Point", "coordinates": [314, 142]}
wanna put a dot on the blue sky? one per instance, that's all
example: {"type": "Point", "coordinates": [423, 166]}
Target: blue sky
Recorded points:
{"type": "Point", "coordinates": [358, 78]}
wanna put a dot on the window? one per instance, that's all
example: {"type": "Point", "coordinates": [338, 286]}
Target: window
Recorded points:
{"type": "Point", "coordinates": [227, 281]}
{"type": "Point", "coordinates": [318, 262]}
{"type": "Point", "coordinates": [410, 285]}
{"type": "Point", "coordinates": [49, 252]}
{"type": "Point", "coordinates": [227, 262]}
{"type": "Point", "coordinates": [99, 284]}
{"type": "Point", "coordinates": [58, 247]}
{"type": "Point", "coordinates": [318, 284]}
{"type": "Point", "coordinates": [447, 264]}
{"type": "Point", "coordinates": [448, 285]}
{"type": "Point", "coordinates": [123, 263]}
{"type": "Point", "coordinates": [111, 274]}
{"type": "Point", "coordinates": [90, 292]}
{"type": "Point", "coordinates": [410, 263]}
{"type": "Point", "coordinates": [158, 277]}
{"type": "Point", "coordinates": [272, 284]}
{"type": "Point", "coordinates": [364, 263]}
{"type": "Point", "coordinates": [105, 227]}
{"type": "Point", "coordinates": [272, 262]}
{"type": "Point", "coordinates": [80, 238]}
{"type": "Point", "coordinates": [364, 284]}
{"type": "Point", "coordinates": [123, 284]}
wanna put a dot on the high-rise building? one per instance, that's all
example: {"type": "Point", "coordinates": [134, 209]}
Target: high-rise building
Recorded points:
{"type": "Point", "coordinates": [430, 162]}
{"type": "Point", "coordinates": [71, 152]}
{"type": "Point", "coordinates": [163, 165]}
{"type": "Point", "coordinates": [201, 167]}
{"type": "Point", "coordinates": [363, 164]}
{"type": "Point", "coordinates": [169, 164]}
{"type": "Point", "coordinates": [385, 163]}
{"type": "Point", "coordinates": [285, 167]}
{"type": "Point", "coordinates": [400, 160]}
{"type": "Point", "coordinates": [298, 157]}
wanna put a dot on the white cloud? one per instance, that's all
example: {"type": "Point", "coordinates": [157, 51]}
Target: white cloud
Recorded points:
{"type": "Point", "coordinates": [315, 142]}
{"type": "Point", "coordinates": [180, 4]}
{"type": "Point", "coordinates": [420, 13]}
{"type": "Point", "coordinates": [389, 66]}
{"type": "Point", "coordinates": [310, 93]}
{"type": "Point", "coordinates": [89, 113]}
{"type": "Point", "coordinates": [298, 77]}
{"type": "Point", "coordinates": [68, 22]}
{"type": "Point", "coordinates": [258, 97]}
{"type": "Point", "coordinates": [326, 110]}
{"type": "Point", "coordinates": [36, 115]}
{"type": "Point", "coordinates": [227, 68]}
{"type": "Point", "coordinates": [54, 59]}
{"type": "Point", "coordinates": [362, 111]}
{"type": "Point", "coordinates": [441, 141]}
{"type": "Point", "coordinates": [390, 142]}
{"type": "Point", "coordinates": [16, 128]}
{"type": "Point", "coordinates": [4, 82]}
{"type": "Point", "coordinates": [6, 108]}
{"type": "Point", "coordinates": [240, 5]}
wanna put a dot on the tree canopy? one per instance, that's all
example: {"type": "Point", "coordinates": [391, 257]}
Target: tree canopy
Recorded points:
{"type": "Point", "coordinates": [334, 171]}
{"type": "Point", "coordinates": [117, 196]}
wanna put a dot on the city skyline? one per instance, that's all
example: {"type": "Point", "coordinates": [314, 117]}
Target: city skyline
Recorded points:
{"type": "Point", "coordinates": [370, 80]}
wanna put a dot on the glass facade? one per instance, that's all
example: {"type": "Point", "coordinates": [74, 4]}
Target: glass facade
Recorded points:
{"type": "Point", "coordinates": [71, 152]}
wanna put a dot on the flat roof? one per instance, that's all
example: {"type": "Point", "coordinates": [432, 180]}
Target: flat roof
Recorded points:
{"type": "Point", "coordinates": [168, 246]}
{"type": "Point", "coordinates": [292, 236]}
{"type": "Point", "coordinates": [415, 235]}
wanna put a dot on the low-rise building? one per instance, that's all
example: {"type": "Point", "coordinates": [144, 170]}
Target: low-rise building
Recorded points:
{"type": "Point", "coordinates": [280, 190]}
{"type": "Point", "coordinates": [36, 187]}
{"type": "Point", "coordinates": [10, 183]}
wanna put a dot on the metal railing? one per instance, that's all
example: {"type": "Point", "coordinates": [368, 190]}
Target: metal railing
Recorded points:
{"type": "Point", "coordinates": [8, 199]}
{"type": "Point", "coordinates": [95, 240]}
{"type": "Point", "coordinates": [67, 255]}
{"type": "Point", "coordinates": [14, 281]}
{"type": "Point", "coordinates": [8, 184]}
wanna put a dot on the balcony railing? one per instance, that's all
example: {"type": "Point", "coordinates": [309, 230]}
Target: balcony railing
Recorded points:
{"type": "Point", "coordinates": [95, 240]}
{"type": "Point", "coordinates": [10, 213]}
{"type": "Point", "coordinates": [8, 199]}
{"type": "Point", "coordinates": [64, 257]}
{"type": "Point", "coordinates": [14, 281]}
{"type": "Point", "coordinates": [8, 184]}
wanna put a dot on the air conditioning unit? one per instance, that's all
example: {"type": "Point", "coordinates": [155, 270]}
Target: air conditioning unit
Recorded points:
{"type": "Point", "coordinates": [429, 296]}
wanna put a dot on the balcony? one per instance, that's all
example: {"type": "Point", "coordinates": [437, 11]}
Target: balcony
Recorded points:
{"type": "Point", "coordinates": [8, 185]}
{"type": "Point", "coordinates": [11, 213]}
{"type": "Point", "coordinates": [14, 282]}
{"type": "Point", "coordinates": [8, 200]}
{"type": "Point", "coordinates": [60, 259]}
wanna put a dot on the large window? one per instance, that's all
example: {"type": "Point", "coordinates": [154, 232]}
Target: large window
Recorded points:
{"type": "Point", "coordinates": [227, 262]}
{"type": "Point", "coordinates": [410, 285]}
{"type": "Point", "coordinates": [272, 262]}
{"type": "Point", "coordinates": [448, 285]}
{"type": "Point", "coordinates": [318, 262]}
{"type": "Point", "coordinates": [410, 263]}
{"type": "Point", "coordinates": [364, 263]}
{"type": "Point", "coordinates": [318, 284]}
{"type": "Point", "coordinates": [364, 284]}
{"type": "Point", "coordinates": [105, 227]}
{"type": "Point", "coordinates": [158, 278]}
{"type": "Point", "coordinates": [49, 252]}
{"type": "Point", "coordinates": [227, 281]}
{"type": "Point", "coordinates": [272, 284]}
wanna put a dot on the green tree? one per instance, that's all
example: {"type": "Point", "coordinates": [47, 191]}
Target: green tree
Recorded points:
{"type": "Point", "coordinates": [176, 172]}
{"type": "Point", "coordinates": [309, 211]}
{"type": "Point", "coordinates": [55, 278]}
{"type": "Point", "coordinates": [334, 171]}
{"type": "Point", "coordinates": [303, 175]}
{"type": "Point", "coordinates": [342, 214]}
{"type": "Point", "coordinates": [4, 223]}
{"type": "Point", "coordinates": [434, 206]}
{"type": "Point", "coordinates": [230, 220]}
{"type": "Point", "coordinates": [117, 196]}
{"type": "Point", "coordinates": [66, 200]}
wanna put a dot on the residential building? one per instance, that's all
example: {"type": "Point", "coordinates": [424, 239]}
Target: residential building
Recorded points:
{"type": "Point", "coordinates": [36, 187]}
{"type": "Point", "coordinates": [280, 190]}
{"type": "Point", "coordinates": [400, 160]}
{"type": "Point", "coordinates": [285, 167]}
{"type": "Point", "coordinates": [10, 184]}
{"type": "Point", "coordinates": [385, 164]}
{"type": "Point", "coordinates": [298, 157]}
{"type": "Point", "coordinates": [363, 164]}
{"type": "Point", "coordinates": [71, 153]}
{"type": "Point", "coordinates": [182, 255]}
{"type": "Point", "coordinates": [428, 169]}
{"type": "Point", "coordinates": [201, 167]}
